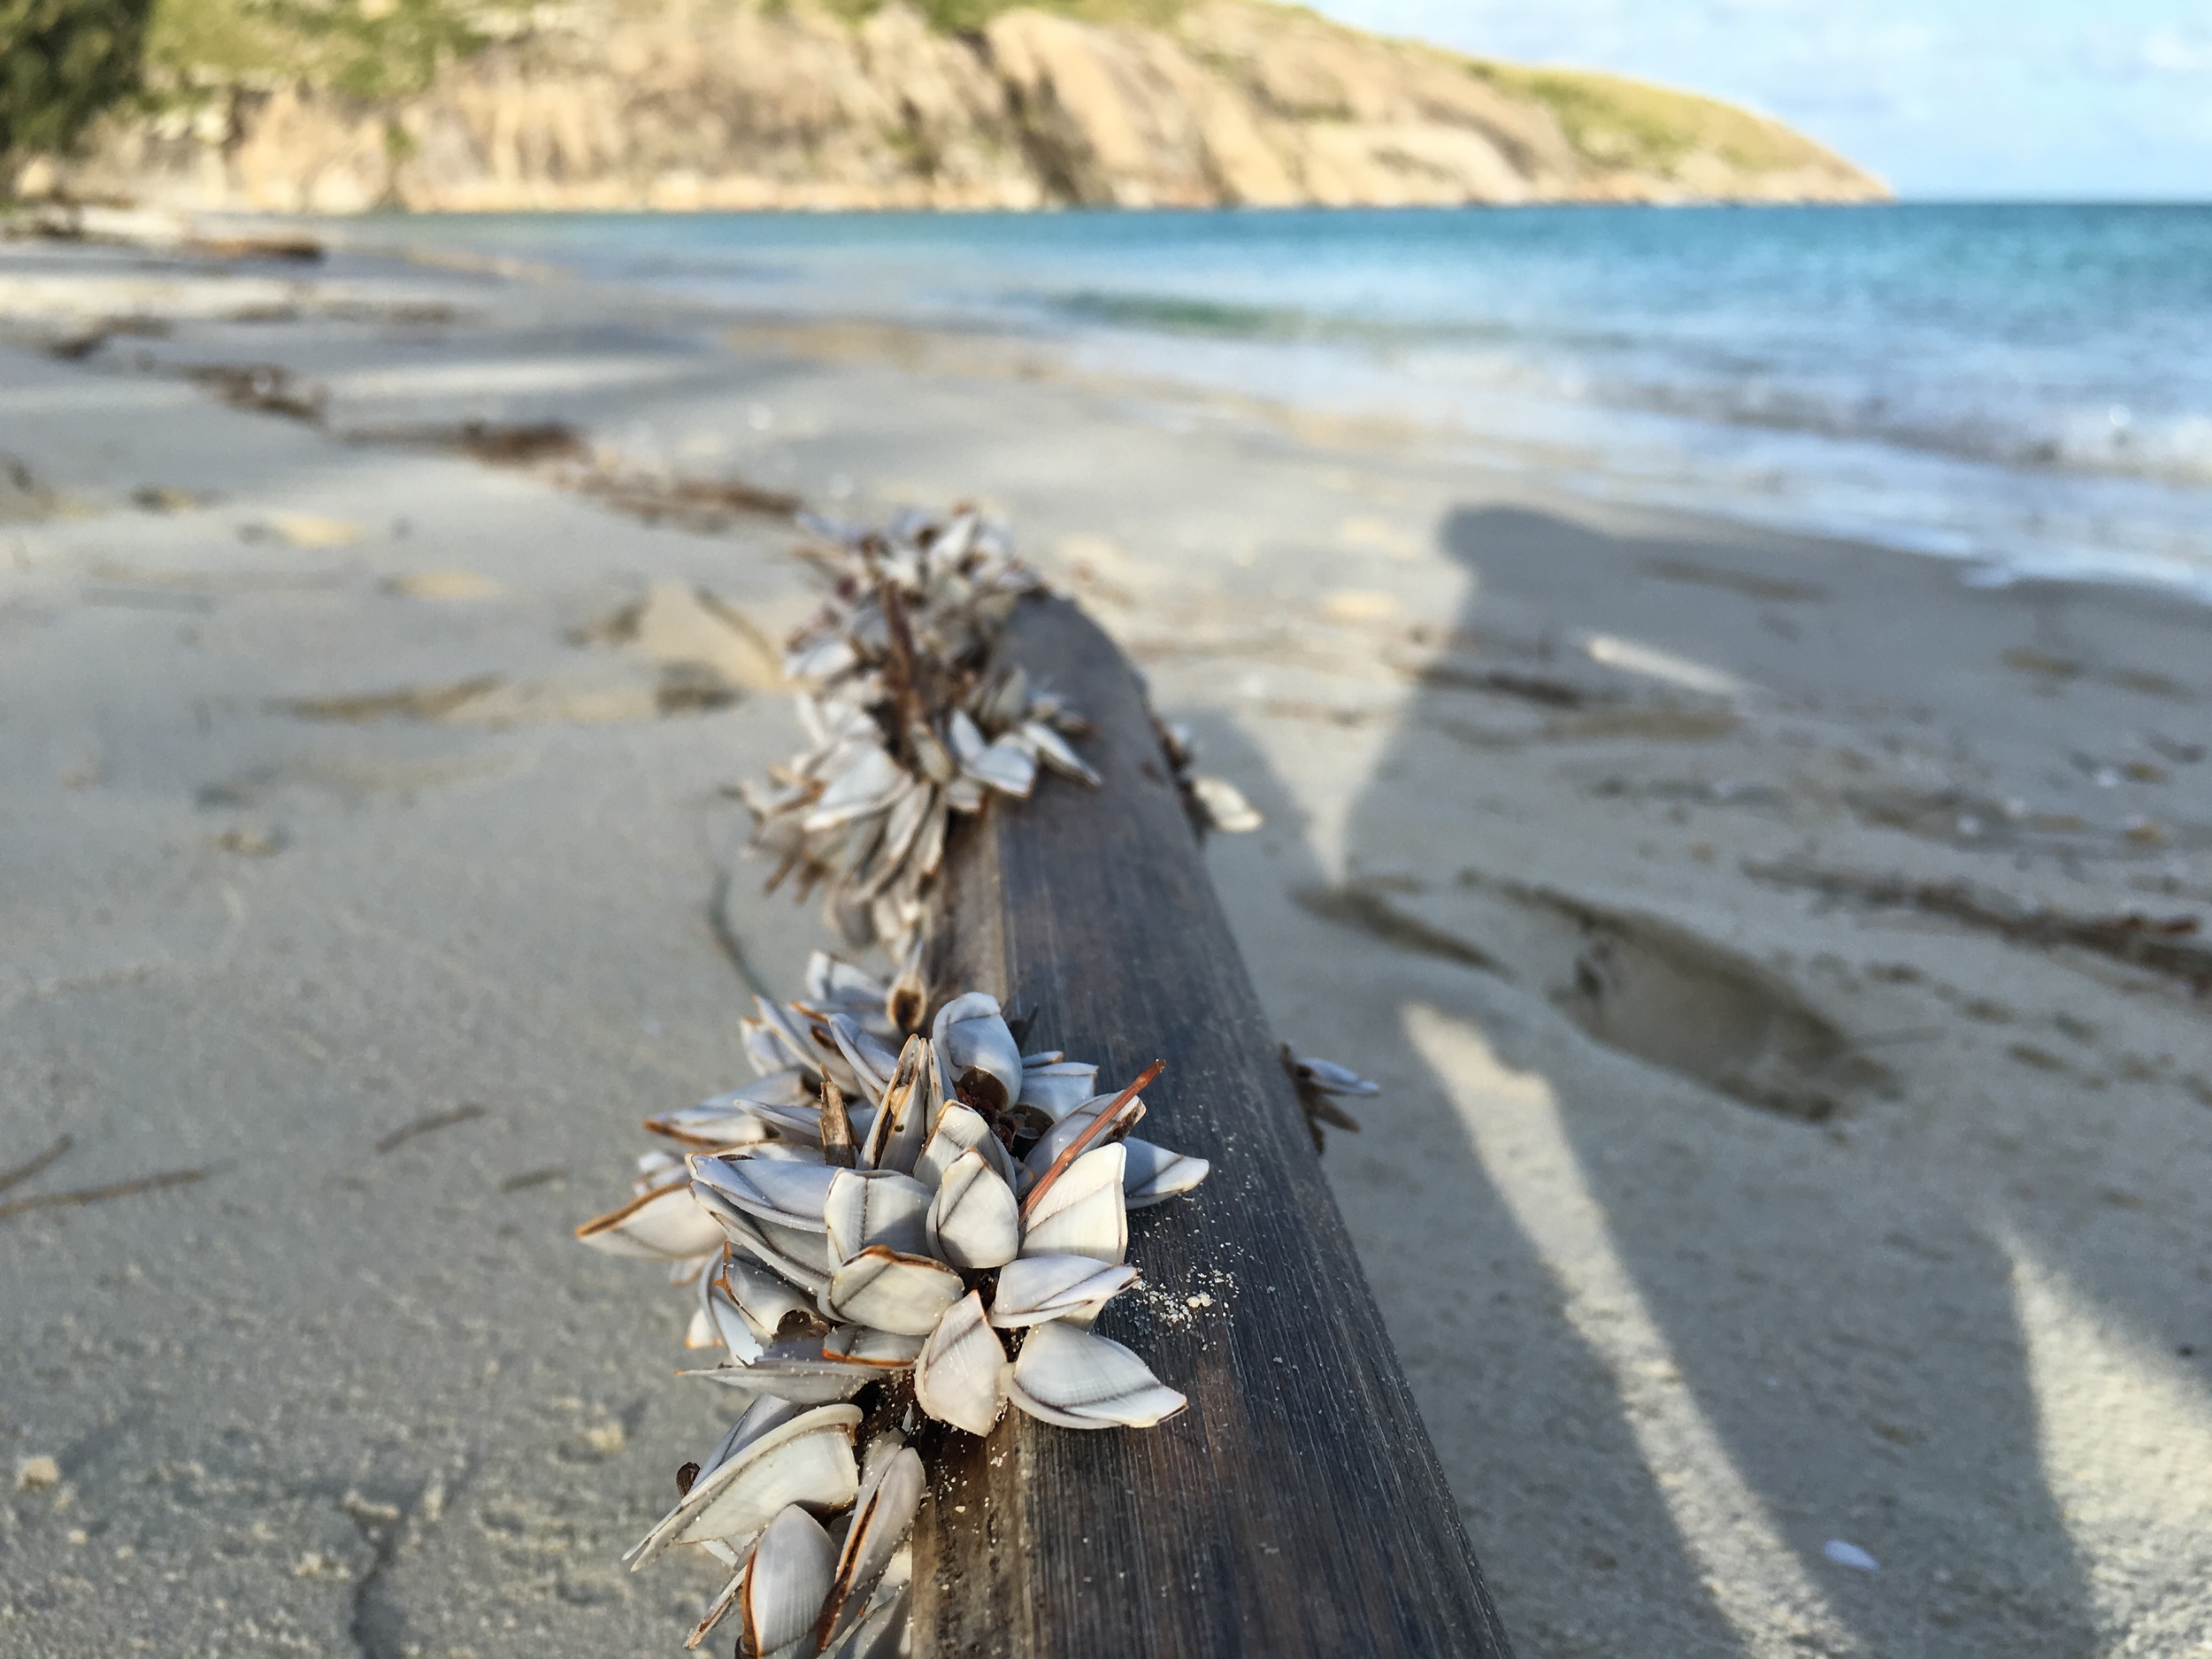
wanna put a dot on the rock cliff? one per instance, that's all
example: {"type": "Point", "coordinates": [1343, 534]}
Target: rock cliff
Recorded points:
{"type": "Point", "coordinates": [845, 103]}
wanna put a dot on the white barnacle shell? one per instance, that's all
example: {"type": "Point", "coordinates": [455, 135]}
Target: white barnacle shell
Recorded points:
{"type": "Point", "coordinates": [910, 1104]}
{"type": "Point", "coordinates": [950, 544]}
{"type": "Point", "coordinates": [1070, 1126]}
{"type": "Point", "coordinates": [960, 1376]}
{"type": "Point", "coordinates": [1007, 767]}
{"type": "Point", "coordinates": [799, 1257]}
{"type": "Point", "coordinates": [872, 1062]}
{"type": "Point", "coordinates": [900, 829]}
{"type": "Point", "coordinates": [897, 914]}
{"type": "Point", "coordinates": [832, 982]}
{"type": "Point", "coordinates": [821, 657]}
{"type": "Point", "coordinates": [779, 1152]}
{"type": "Point", "coordinates": [1036, 1288]}
{"type": "Point", "coordinates": [787, 1192]}
{"type": "Point", "coordinates": [867, 1206]}
{"type": "Point", "coordinates": [890, 1495]}
{"type": "Point", "coordinates": [882, 1632]}
{"type": "Point", "coordinates": [792, 1038]}
{"type": "Point", "coordinates": [1056, 1087]}
{"type": "Point", "coordinates": [665, 1224]}
{"type": "Point", "coordinates": [775, 1454]}
{"type": "Point", "coordinates": [1080, 1213]}
{"type": "Point", "coordinates": [1330, 1077]}
{"type": "Point", "coordinates": [715, 1125]}
{"type": "Point", "coordinates": [961, 1129]}
{"type": "Point", "coordinates": [763, 1046]}
{"type": "Point", "coordinates": [968, 742]}
{"type": "Point", "coordinates": [974, 1045]}
{"type": "Point", "coordinates": [929, 848]}
{"type": "Point", "coordinates": [1006, 701]}
{"type": "Point", "coordinates": [974, 1221]}
{"type": "Point", "coordinates": [783, 1102]}
{"type": "Point", "coordinates": [1223, 804]}
{"type": "Point", "coordinates": [766, 1301]}
{"type": "Point", "coordinates": [829, 1056]}
{"type": "Point", "coordinates": [718, 1321]}
{"type": "Point", "coordinates": [797, 1371]}
{"type": "Point", "coordinates": [930, 753]}
{"type": "Point", "coordinates": [754, 1421]}
{"type": "Point", "coordinates": [787, 1581]}
{"type": "Point", "coordinates": [788, 1087]}
{"type": "Point", "coordinates": [869, 783]}
{"type": "Point", "coordinates": [1151, 1174]}
{"type": "Point", "coordinates": [1055, 751]}
{"type": "Point", "coordinates": [857, 1345]}
{"type": "Point", "coordinates": [1080, 1380]}
{"type": "Point", "coordinates": [890, 1291]}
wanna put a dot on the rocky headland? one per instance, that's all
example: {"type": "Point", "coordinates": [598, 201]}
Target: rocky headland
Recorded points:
{"type": "Point", "coordinates": [849, 104]}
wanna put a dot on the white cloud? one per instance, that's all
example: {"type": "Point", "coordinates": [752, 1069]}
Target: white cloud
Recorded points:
{"type": "Point", "coordinates": [2168, 51]}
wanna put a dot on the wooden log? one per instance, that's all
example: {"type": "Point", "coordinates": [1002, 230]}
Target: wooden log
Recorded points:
{"type": "Point", "coordinates": [1296, 1508]}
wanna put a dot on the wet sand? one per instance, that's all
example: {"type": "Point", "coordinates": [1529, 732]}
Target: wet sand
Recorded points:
{"type": "Point", "coordinates": [363, 841]}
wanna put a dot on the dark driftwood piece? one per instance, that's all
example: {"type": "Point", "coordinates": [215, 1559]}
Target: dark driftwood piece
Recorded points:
{"type": "Point", "coordinates": [1296, 1508]}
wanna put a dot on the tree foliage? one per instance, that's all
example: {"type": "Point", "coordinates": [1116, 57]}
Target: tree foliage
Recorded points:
{"type": "Point", "coordinates": [62, 62]}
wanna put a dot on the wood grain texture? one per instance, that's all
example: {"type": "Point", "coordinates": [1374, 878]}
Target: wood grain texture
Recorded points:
{"type": "Point", "coordinates": [1296, 1508]}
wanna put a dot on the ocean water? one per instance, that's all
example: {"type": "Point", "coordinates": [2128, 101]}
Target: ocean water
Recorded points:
{"type": "Point", "coordinates": [2027, 388]}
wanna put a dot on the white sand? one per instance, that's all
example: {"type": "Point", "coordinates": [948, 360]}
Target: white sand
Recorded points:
{"type": "Point", "coordinates": [1670, 1344]}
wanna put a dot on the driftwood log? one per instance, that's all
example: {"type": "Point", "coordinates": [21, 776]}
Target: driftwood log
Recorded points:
{"type": "Point", "coordinates": [1296, 1508]}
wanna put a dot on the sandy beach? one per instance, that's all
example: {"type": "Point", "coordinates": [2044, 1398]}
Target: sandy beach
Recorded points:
{"type": "Point", "coordinates": [1792, 1188]}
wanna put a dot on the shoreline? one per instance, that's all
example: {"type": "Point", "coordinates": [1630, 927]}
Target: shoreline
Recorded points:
{"type": "Point", "coordinates": [1940, 495]}
{"type": "Point", "coordinates": [1570, 466]}
{"type": "Point", "coordinates": [1720, 1210]}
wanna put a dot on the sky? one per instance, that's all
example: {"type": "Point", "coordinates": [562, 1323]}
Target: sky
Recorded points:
{"type": "Point", "coordinates": [1946, 99]}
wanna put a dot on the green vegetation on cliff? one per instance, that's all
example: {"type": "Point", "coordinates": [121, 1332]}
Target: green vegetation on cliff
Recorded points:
{"type": "Point", "coordinates": [62, 63]}
{"type": "Point", "coordinates": [363, 48]}
{"type": "Point", "coordinates": [953, 16]}
{"type": "Point", "coordinates": [1615, 122]}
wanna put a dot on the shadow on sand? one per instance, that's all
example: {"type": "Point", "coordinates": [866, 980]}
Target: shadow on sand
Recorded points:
{"type": "Point", "coordinates": [1671, 1338]}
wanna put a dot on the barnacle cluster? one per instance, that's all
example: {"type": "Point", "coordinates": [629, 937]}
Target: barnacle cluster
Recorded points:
{"type": "Point", "coordinates": [938, 1218]}
{"type": "Point", "coordinates": [908, 721]}
{"type": "Point", "coordinates": [873, 1212]}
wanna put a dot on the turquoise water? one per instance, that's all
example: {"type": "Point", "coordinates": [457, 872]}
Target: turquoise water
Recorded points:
{"type": "Point", "coordinates": [2026, 388]}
